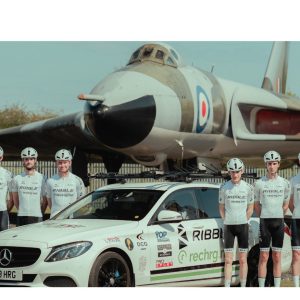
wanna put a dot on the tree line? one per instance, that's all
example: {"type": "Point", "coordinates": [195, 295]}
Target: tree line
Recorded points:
{"type": "Point", "coordinates": [18, 114]}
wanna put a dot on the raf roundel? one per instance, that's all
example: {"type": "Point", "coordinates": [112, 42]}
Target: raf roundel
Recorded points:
{"type": "Point", "coordinates": [203, 109]}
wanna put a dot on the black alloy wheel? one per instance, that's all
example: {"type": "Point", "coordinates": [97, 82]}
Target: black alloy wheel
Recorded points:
{"type": "Point", "coordinates": [110, 270]}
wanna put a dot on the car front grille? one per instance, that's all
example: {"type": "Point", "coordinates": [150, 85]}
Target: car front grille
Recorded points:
{"type": "Point", "coordinates": [14, 257]}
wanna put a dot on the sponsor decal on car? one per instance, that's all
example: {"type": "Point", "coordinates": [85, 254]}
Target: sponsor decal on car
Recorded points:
{"type": "Point", "coordinates": [162, 236]}
{"type": "Point", "coordinates": [206, 255]}
{"type": "Point", "coordinates": [164, 247]}
{"type": "Point", "coordinates": [142, 263]}
{"type": "Point", "coordinates": [111, 240]}
{"type": "Point", "coordinates": [161, 263]}
{"type": "Point", "coordinates": [63, 225]}
{"type": "Point", "coordinates": [207, 234]}
{"type": "Point", "coordinates": [142, 245]}
{"type": "Point", "coordinates": [164, 254]}
{"type": "Point", "coordinates": [129, 244]}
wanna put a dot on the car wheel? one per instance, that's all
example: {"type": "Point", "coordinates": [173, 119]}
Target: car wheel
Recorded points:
{"type": "Point", "coordinates": [110, 270]}
{"type": "Point", "coordinates": [252, 277]}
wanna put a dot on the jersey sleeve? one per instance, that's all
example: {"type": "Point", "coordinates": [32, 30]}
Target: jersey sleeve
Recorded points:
{"type": "Point", "coordinates": [14, 185]}
{"type": "Point", "coordinates": [80, 188]}
{"type": "Point", "coordinates": [222, 195]}
{"type": "Point", "coordinates": [256, 191]}
{"type": "Point", "coordinates": [287, 191]}
{"type": "Point", "coordinates": [250, 194]}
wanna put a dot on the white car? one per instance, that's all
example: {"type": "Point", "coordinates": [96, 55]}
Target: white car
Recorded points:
{"type": "Point", "coordinates": [132, 234]}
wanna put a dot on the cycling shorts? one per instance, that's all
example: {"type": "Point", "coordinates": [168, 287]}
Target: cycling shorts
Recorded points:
{"type": "Point", "coordinates": [241, 232]}
{"type": "Point", "coordinates": [4, 220]}
{"type": "Point", "coordinates": [24, 220]}
{"type": "Point", "coordinates": [295, 228]}
{"type": "Point", "coordinates": [271, 230]}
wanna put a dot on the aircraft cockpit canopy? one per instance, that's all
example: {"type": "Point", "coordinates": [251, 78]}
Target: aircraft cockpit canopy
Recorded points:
{"type": "Point", "coordinates": [158, 53]}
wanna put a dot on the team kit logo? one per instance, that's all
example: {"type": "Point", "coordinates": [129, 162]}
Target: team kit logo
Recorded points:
{"type": "Point", "coordinates": [203, 109]}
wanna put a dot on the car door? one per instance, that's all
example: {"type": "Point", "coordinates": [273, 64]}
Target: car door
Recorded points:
{"type": "Point", "coordinates": [169, 240]}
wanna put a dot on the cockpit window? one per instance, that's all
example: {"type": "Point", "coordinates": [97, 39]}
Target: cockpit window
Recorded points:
{"type": "Point", "coordinates": [147, 52]}
{"type": "Point", "coordinates": [157, 53]}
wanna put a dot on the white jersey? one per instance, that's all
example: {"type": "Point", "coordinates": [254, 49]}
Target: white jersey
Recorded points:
{"type": "Point", "coordinates": [5, 186]}
{"type": "Point", "coordinates": [63, 191]}
{"type": "Point", "coordinates": [272, 194]}
{"type": "Point", "coordinates": [295, 192]}
{"type": "Point", "coordinates": [30, 189]}
{"type": "Point", "coordinates": [236, 198]}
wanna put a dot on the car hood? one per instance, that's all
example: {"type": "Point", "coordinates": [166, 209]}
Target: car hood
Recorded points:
{"type": "Point", "coordinates": [56, 232]}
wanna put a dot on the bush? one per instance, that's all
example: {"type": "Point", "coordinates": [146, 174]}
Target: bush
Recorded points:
{"type": "Point", "coordinates": [18, 114]}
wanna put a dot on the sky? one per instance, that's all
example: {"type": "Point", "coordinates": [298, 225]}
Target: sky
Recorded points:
{"type": "Point", "coordinates": [51, 51]}
{"type": "Point", "coordinates": [51, 74]}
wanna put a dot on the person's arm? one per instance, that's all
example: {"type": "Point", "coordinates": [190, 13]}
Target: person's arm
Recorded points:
{"type": "Point", "coordinates": [249, 211]}
{"type": "Point", "coordinates": [257, 205]}
{"type": "Point", "coordinates": [44, 204]}
{"type": "Point", "coordinates": [257, 208]}
{"type": "Point", "coordinates": [291, 203]}
{"type": "Point", "coordinates": [15, 197]}
{"type": "Point", "coordinates": [222, 210]}
{"type": "Point", "coordinates": [285, 206]}
{"type": "Point", "coordinates": [49, 202]}
{"type": "Point", "coordinates": [10, 202]}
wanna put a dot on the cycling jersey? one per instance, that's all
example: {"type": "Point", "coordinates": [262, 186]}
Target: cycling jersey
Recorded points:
{"type": "Point", "coordinates": [5, 181]}
{"type": "Point", "coordinates": [236, 198]}
{"type": "Point", "coordinates": [241, 232]}
{"type": "Point", "coordinates": [271, 194]}
{"type": "Point", "coordinates": [30, 189]}
{"type": "Point", "coordinates": [63, 191]}
{"type": "Point", "coordinates": [295, 192]}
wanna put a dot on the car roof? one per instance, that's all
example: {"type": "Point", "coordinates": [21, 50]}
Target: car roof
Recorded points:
{"type": "Point", "coordinates": [161, 186]}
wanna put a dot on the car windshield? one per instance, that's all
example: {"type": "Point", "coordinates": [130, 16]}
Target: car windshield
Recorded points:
{"type": "Point", "coordinates": [126, 204]}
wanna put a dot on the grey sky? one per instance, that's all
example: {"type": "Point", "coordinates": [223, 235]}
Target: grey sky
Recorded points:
{"type": "Point", "coordinates": [52, 74]}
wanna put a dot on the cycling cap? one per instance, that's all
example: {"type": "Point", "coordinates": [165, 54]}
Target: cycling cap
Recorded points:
{"type": "Point", "coordinates": [1, 151]}
{"type": "Point", "coordinates": [235, 164]}
{"type": "Point", "coordinates": [29, 152]}
{"type": "Point", "coordinates": [63, 154]}
{"type": "Point", "coordinates": [272, 156]}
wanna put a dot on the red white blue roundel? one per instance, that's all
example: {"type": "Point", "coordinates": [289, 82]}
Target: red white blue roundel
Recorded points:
{"type": "Point", "coordinates": [203, 109]}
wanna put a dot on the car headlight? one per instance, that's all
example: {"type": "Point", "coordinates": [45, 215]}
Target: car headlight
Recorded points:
{"type": "Point", "coordinates": [68, 251]}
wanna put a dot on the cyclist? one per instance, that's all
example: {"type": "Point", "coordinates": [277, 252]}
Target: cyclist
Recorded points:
{"type": "Point", "coordinates": [236, 207]}
{"type": "Point", "coordinates": [64, 187]}
{"type": "Point", "coordinates": [28, 190]}
{"type": "Point", "coordinates": [271, 196]}
{"type": "Point", "coordinates": [6, 201]}
{"type": "Point", "coordinates": [294, 206]}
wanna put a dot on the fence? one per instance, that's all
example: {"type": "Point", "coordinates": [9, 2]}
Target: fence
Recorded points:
{"type": "Point", "coordinates": [48, 168]}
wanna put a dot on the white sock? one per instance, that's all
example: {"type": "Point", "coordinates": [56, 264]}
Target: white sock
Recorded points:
{"type": "Point", "coordinates": [261, 282]}
{"type": "Point", "coordinates": [243, 282]}
{"type": "Point", "coordinates": [227, 283]}
{"type": "Point", "coordinates": [296, 280]}
{"type": "Point", "coordinates": [277, 281]}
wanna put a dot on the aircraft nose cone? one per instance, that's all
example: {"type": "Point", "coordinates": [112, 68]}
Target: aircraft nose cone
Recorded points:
{"type": "Point", "coordinates": [122, 125]}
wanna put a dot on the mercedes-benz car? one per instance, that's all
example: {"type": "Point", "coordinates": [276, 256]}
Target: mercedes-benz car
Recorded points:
{"type": "Point", "coordinates": [131, 234]}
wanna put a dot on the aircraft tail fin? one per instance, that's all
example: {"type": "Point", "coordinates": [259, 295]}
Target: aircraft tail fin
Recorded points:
{"type": "Point", "coordinates": [276, 73]}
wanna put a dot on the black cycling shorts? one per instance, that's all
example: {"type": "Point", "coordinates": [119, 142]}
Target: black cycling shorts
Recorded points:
{"type": "Point", "coordinates": [271, 230]}
{"type": "Point", "coordinates": [295, 228]}
{"type": "Point", "coordinates": [4, 220]}
{"type": "Point", "coordinates": [241, 232]}
{"type": "Point", "coordinates": [23, 220]}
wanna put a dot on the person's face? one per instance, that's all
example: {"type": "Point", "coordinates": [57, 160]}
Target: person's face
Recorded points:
{"type": "Point", "coordinates": [236, 176]}
{"type": "Point", "coordinates": [272, 167]}
{"type": "Point", "coordinates": [63, 166]}
{"type": "Point", "coordinates": [29, 163]}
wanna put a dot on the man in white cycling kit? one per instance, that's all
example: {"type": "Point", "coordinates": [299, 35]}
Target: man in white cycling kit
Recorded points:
{"type": "Point", "coordinates": [64, 187]}
{"type": "Point", "coordinates": [6, 201]}
{"type": "Point", "coordinates": [236, 207]}
{"type": "Point", "coordinates": [28, 190]}
{"type": "Point", "coordinates": [271, 196]}
{"type": "Point", "coordinates": [295, 226]}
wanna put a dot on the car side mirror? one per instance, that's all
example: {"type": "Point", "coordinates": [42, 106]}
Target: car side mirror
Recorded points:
{"type": "Point", "coordinates": [167, 216]}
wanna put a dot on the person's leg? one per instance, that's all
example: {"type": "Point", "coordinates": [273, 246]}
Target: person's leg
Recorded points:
{"type": "Point", "coordinates": [228, 268]}
{"type": "Point", "coordinates": [243, 268]}
{"type": "Point", "coordinates": [242, 232]}
{"type": "Point", "coordinates": [228, 254]}
{"type": "Point", "coordinates": [295, 228]}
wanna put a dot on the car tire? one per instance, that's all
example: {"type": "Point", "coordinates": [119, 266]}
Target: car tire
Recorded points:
{"type": "Point", "coordinates": [252, 277]}
{"type": "Point", "coordinates": [110, 269]}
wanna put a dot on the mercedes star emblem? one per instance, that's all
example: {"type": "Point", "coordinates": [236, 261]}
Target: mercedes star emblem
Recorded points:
{"type": "Point", "coordinates": [5, 257]}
